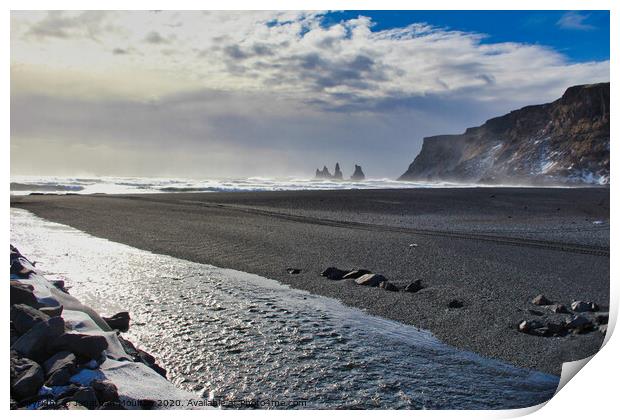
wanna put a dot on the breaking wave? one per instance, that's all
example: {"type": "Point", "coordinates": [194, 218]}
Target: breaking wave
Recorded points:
{"type": "Point", "coordinates": [116, 185]}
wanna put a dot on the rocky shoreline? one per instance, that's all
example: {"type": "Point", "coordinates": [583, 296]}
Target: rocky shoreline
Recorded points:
{"type": "Point", "coordinates": [553, 320]}
{"type": "Point", "coordinates": [65, 356]}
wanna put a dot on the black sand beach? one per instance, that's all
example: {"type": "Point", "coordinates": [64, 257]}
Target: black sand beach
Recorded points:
{"type": "Point", "coordinates": [494, 249]}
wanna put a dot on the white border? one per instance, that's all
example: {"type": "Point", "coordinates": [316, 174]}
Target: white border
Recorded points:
{"type": "Point", "coordinates": [591, 394]}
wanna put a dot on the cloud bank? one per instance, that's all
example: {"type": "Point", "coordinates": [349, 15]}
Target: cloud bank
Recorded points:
{"type": "Point", "coordinates": [256, 93]}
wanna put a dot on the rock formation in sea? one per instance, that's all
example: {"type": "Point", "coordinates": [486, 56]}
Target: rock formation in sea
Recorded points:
{"type": "Point", "coordinates": [337, 172]}
{"type": "Point", "coordinates": [563, 142]}
{"type": "Point", "coordinates": [358, 174]}
{"type": "Point", "coordinates": [324, 173]}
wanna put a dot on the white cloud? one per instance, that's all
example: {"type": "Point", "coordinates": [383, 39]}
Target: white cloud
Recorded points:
{"type": "Point", "coordinates": [290, 53]}
{"type": "Point", "coordinates": [575, 21]}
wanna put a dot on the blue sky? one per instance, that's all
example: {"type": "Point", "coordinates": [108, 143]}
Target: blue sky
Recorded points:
{"type": "Point", "coordinates": [580, 35]}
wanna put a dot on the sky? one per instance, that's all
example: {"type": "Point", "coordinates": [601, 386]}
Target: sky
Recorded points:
{"type": "Point", "coordinates": [270, 94]}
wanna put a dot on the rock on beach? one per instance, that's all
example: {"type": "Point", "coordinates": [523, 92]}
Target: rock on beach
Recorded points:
{"type": "Point", "coordinates": [371, 280]}
{"type": "Point", "coordinates": [334, 273]}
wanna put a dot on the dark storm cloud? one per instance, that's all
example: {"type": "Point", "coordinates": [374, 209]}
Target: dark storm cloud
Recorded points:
{"type": "Point", "coordinates": [317, 73]}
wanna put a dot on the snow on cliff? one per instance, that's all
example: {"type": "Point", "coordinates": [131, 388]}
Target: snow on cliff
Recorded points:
{"type": "Point", "coordinates": [563, 142]}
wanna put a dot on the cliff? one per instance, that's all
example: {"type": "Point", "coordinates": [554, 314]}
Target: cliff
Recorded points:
{"type": "Point", "coordinates": [563, 142]}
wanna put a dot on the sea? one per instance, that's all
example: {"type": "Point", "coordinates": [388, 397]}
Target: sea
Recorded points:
{"type": "Point", "coordinates": [24, 185]}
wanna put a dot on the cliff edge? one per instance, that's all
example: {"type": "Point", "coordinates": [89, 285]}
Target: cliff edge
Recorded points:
{"type": "Point", "coordinates": [563, 142]}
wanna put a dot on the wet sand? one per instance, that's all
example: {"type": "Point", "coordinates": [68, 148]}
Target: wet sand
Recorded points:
{"type": "Point", "coordinates": [492, 248]}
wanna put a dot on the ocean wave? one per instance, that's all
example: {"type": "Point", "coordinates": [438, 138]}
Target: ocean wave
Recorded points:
{"type": "Point", "coordinates": [18, 186]}
{"type": "Point", "coordinates": [137, 185]}
{"type": "Point", "coordinates": [191, 189]}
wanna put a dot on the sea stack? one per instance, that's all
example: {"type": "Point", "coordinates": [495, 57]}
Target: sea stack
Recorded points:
{"type": "Point", "coordinates": [358, 175]}
{"type": "Point", "coordinates": [324, 173]}
{"type": "Point", "coordinates": [337, 172]}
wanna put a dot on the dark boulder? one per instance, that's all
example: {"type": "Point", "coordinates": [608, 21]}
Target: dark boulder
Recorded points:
{"type": "Point", "coordinates": [60, 285]}
{"type": "Point", "coordinates": [602, 317]}
{"type": "Point", "coordinates": [106, 391]}
{"type": "Point", "coordinates": [388, 286]}
{"type": "Point", "coordinates": [119, 321]}
{"type": "Point", "coordinates": [414, 287]}
{"type": "Point", "coordinates": [59, 368]}
{"type": "Point", "coordinates": [26, 377]}
{"type": "Point", "coordinates": [334, 273]}
{"type": "Point", "coordinates": [579, 324]}
{"type": "Point", "coordinates": [141, 356]}
{"type": "Point", "coordinates": [14, 252]}
{"type": "Point", "coordinates": [542, 329]}
{"type": "Point", "coordinates": [528, 326]}
{"type": "Point", "coordinates": [556, 328]}
{"type": "Point", "coordinates": [25, 317]}
{"type": "Point", "coordinates": [86, 397]}
{"type": "Point", "coordinates": [19, 268]}
{"type": "Point", "coordinates": [292, 270]}
{"type": "Point", "coordinates": [14, 334]}
{"type": "Point", "coordinates": [581, 306]}
{"type": "Point", "coordinates": [356, 274]}
{"type": "Point", "coordinates": [84, 345]}
{"type": "Point", "coordinates": [68, 391]}
{"type": "Point", "coordinates": [558, 308]}
{"type": "Point", "coordinates": [372, 280]}
{"type": "Point", "coordinates": [52, 310]}
{"type": "Point", "coordinates": [149, 360]}
{"type": "Point", "coordinates": [23, 293]}
{"type": "Point", "coordinates": [35, 343]}
{"type": "Point", "coordinates": [159, 370]}
{"type": "Point", "coordinates": [541, 300]}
